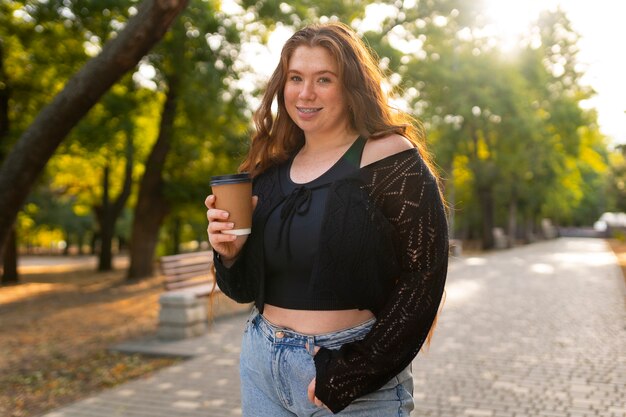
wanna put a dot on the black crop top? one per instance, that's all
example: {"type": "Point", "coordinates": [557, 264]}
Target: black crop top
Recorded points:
{"type": "Point", "coordinates": [292, 235]}
{"type": "Point", "coordinates": [384, 226]}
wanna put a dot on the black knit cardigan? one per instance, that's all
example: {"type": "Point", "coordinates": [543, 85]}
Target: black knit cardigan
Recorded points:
{"type": "Point", "coordinates": [383, 246]}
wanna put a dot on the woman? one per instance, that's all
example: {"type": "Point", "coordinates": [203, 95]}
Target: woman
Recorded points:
{"type": "Point", "coordinates": [347, 259]}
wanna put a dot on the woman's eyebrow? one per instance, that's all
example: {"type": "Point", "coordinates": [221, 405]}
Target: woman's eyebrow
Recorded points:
{"type": "Point", "coordinates": [295, 71]}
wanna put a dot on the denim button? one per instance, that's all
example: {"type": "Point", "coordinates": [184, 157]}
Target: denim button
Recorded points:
{"type": "Point", "coordinates": [280, 334]}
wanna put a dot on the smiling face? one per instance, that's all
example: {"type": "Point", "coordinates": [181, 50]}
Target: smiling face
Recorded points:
{"type": "Point", "coordinates": [314, 95]}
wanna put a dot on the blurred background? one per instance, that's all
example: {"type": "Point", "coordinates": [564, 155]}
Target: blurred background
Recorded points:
{"type": "Point", "coordinates": [512, 115]}
{"type": "Point", "coordinates": [522, 104]}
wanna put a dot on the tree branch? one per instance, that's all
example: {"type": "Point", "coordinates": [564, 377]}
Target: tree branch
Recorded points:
{"type": "Point", "coordinates": [37, 144]}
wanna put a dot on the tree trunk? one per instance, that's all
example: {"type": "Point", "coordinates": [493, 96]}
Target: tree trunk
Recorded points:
{"type": "Point", "coordinates": [485, 195]}
{"type": "Point", "coordinates": [5, 93]}
{"type": "Point", "coordinates": [9, 274]}
{"type": "Point", "coordinates": [106, 224]}
{"type": "Point", "coordinates": [68, 243]}
{"type": "Point", "coordinates": [93, 246]}
{"type": "Point", "coordinates": [529, 229]}
{"type": "Point", "coordinates": [176, 230]}
{"type": "Point", "coordinates": [9, 261]}
{"type": "Point", "coordinates": [121, 243]}
{"type": "Point", "coordinates": [152, 207]}
{"type": "Point", "coordinates": [512, 227]}
{"type": "Point", "coordinates": [81, 242]}
{"type": "Point", "coordinates": [108, 213]}
{"type": "Point", "coordinates": [37, 144]}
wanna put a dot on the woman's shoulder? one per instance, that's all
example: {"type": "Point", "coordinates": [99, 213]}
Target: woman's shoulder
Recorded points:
{"type": "Point", "coordinates": [381, 148]}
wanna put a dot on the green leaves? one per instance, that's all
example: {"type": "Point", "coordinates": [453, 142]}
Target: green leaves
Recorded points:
{"type": "Point", "coordinates": [510, 125]}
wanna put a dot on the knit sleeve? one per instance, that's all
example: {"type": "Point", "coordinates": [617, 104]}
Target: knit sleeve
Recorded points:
{"type": "Point", "coordinates": [234, 281]}
{"type": "Point", "coordinates": [408, 195]}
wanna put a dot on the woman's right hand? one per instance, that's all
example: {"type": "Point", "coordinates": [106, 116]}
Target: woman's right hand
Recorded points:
{"type": "Point", "coordinates": [228, 246]}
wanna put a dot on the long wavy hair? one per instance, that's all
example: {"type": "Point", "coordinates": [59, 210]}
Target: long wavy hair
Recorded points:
{"type": "Point", "coordinates": [371, 115]}
{"type": "Point", "coordinates": [277, 136]}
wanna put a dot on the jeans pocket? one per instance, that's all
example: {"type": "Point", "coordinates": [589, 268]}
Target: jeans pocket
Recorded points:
{"type": "Point", "coordinates": [395, 398]}
{"type": "Point", "coordinates": [253, 314]}
{"type": "Point", "coordinates": [339, 338]}
{"type": "Point", "coordinates": [403, 379]}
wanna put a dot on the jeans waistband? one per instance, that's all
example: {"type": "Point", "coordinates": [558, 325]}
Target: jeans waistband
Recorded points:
{"type": "Point", "coordinates": [282, 335]}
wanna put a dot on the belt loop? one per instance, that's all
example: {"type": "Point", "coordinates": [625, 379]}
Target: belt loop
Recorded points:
{"type": "Point", "coordinates": [310, 345]}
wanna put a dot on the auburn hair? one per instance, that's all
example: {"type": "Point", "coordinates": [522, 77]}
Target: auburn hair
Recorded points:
{"type": "Point", "coordinates": [277, 136]}
{"type": "Point", "coordinates": [371, 115]}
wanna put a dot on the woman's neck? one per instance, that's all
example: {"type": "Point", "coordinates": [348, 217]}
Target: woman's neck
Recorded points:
{"type": "Point", "coordinates": [317, 157]}
{"type": "Point", "coordinates": [321, 144]}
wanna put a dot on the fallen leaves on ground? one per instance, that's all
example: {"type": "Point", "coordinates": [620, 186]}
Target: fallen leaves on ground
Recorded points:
{"type": "Point", "coordinates": [56, 329]}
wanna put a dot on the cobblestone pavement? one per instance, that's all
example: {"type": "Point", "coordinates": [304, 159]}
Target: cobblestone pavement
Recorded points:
{"type": "Point", "coordinates": [538, 330]}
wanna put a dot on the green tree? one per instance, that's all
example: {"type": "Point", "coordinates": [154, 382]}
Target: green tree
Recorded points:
{"type": "Point", "coordinates": [550, 64]}
{"type": "Point", "coordinates": [202, 108]}
{"type": "Point", "coordinates": [28, 157]}
{"type": "Point", "coordinates": [509, 126]}
{"type": "Point", "coordinates": [616, 181]}
{"type": "Point", "coordinates": [105, 141]}
{"type": "Point", "coordinates": [37, 52]}
{"type": "Point", "coordinates": [461, 88]}
{"type": "Point", "coordinates": [9, 260]}
{"type": "Point", "coordinates": [50, 208]}
{"type": "Point", "coordinates": [197, 65]}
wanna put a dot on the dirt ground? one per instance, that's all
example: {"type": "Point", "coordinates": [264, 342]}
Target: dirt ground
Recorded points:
{"type": "Point", "coordinates": [56, 328]}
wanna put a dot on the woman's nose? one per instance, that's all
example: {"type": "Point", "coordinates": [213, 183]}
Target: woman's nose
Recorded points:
{"type": "Point", "coordinates": [308, 91]}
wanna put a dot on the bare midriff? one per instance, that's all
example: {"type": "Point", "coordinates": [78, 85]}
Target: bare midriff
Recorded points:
{"type": "Point", "coordinates": [314, 322]}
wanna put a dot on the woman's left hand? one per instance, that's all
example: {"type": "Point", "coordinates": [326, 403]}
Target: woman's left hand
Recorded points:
{"type": "Point", "coordinates": [311, 389]}
{"type": "Point", "coordinates": [311, 395]}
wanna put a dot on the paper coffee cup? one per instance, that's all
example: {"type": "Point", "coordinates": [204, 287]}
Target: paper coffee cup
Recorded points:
{"type": "Point", "coordinates": [233, 193]}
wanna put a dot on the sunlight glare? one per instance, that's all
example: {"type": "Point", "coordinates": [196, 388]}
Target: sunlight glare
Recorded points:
{"type": "Point", "coordinates": [461, 290]}
{"type": "Point", "coordinates": [230, 7]}
{"type": "Point", "coordinates": [509, 19]}
{"type": "Point", "coordinates": [375, 15]}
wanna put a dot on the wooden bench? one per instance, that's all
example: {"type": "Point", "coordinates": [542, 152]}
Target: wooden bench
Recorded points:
{"type": "Point", "coordinates": [189, 280]}
{"type": "Point", "coordinates": [192, 272]}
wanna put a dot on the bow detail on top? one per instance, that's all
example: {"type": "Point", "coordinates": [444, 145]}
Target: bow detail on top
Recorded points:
{"type": "Point", "coordinates": [299, 201]}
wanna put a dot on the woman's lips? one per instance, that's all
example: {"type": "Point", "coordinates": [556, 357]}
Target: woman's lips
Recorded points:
{"type": "Point", "coordinates": [309, 110]}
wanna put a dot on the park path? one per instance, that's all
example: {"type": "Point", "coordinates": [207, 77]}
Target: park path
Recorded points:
{"type": "Point", "coordinates": [59, 263]}
{"type": "Point", "coordinates": [538, 330]}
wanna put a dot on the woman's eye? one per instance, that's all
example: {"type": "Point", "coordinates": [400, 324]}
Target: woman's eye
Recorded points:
{"type": "Point", "coordinates": [324, 80]}
{"type": "Point", "coordinates": [295, 78]}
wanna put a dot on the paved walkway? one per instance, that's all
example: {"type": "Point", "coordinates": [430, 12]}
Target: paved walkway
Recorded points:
{"type": "Point", "coordinates": [538, 330]}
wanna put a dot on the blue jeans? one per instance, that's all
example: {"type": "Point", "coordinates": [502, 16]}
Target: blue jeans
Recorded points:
{"type": "Point", "coordinates": [277, 366]}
